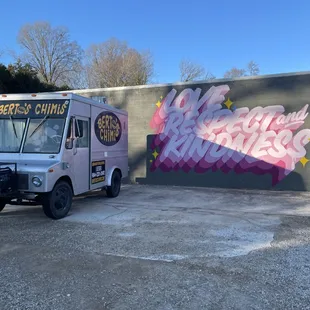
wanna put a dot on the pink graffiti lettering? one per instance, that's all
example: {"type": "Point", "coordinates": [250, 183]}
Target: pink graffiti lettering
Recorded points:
{"type": "Point", "coordinates": [202, 134]}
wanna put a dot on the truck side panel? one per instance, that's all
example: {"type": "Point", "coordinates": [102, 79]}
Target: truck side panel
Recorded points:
{"type": "Point", "coordinates": [109, 145]}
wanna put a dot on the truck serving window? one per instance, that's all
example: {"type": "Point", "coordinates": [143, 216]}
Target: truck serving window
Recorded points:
{"type": "Point", "coordinates": [12, 131]}
{"type": "Point", "coordinates": [44, 135]}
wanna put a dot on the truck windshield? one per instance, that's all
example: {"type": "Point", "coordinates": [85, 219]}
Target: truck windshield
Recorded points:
{"type": "Point", "coordinates": [44, 135]}
{"type": "Point", "coordinates": [12, 131]}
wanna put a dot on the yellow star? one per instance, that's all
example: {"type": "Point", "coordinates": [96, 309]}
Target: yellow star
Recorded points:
{"type": "Point", "coordinates": [155, 154]}
{"type": "Point", "coordinates": [161, 97]}
{"type": "Point", "coordinates": [158, 103]}
{"type": "Point", "coordinates": [228, 103]}
{"type": "Point", "coordinates": [304, 161]}
{"type": "Point", "coordinates": [151, 160]}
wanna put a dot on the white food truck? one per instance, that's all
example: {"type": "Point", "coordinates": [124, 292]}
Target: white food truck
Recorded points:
{"type": "Point", "coordinates": [54, 146]}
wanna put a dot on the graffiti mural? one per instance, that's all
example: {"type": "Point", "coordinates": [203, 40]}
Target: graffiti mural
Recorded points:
{"type": "Point", "coordinates": [201, 132]}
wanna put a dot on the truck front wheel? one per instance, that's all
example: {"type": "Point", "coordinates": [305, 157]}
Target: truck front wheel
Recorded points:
{"type": "Point", "coordinates": [57, 203]}
{"type": "Point", "coordinates": [114, 189]}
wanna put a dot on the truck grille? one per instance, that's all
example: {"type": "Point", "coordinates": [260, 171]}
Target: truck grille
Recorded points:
{"type": "Point", "coordinates": [23, 181]}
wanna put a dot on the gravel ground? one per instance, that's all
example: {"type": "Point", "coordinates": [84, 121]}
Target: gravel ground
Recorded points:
{"type": "Point", "coordinates": [160, 248]}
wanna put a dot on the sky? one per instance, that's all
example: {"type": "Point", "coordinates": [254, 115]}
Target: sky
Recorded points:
{"type": "Point", "coordinates": [217, 34]}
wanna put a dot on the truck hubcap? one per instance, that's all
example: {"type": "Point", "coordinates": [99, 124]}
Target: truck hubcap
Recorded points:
{"type": "Point", "coordinates": [61, 198]}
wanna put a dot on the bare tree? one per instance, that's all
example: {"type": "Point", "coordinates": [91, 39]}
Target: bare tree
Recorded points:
{"type": "Point", "coordinates": [77, 78]}
{"type": "Point", "coordinates": [252, 68]}
{"type": "Point", "coordinates": [113, 63]}
{"type": "Point", "coordinates": [234, 73]}
{"type": "Point", "coordinates": [190, 71]}
{"type": "Point", "coordinates": [50, 51]}
{"type": "Point", "coordinates": [209, 76]}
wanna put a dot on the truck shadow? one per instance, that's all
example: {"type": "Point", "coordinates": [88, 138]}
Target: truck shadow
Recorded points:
{"type": "Point", "coordinates": [31, 211]}
{"type": "Point", "coordinates": [78, 205]}
{"type": "Point", "coordinates": [37, 212]}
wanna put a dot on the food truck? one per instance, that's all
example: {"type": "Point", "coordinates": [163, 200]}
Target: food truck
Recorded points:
{"type": "Point", "coordinates": [54, 146]}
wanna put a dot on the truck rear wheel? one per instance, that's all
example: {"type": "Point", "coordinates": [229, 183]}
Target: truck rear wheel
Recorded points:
{"type": "Point", "coordinates": [57, 203]}
{"type": "Point", "coordinates": [114, 189]}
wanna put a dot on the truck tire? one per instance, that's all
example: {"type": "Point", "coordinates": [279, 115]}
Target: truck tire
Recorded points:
{"type": "Point", "coordinates": [114, 189]}
{"type": "Point", "coordinates": [57, 203]}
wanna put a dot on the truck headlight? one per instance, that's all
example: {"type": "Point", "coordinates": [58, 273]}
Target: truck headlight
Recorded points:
{"type": "Point", "coordinates": [36, 181]}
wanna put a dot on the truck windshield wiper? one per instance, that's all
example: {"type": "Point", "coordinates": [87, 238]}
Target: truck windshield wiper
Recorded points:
{"type": "Point", "coordinates": [36, 129]}
{"type": "Point", "coordinates": [13, 126]}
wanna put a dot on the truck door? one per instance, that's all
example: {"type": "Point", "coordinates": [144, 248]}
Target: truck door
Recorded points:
{"type": "Point", "coordinates": [81, 154]}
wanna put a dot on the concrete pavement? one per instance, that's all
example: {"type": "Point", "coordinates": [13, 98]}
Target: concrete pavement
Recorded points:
{"type": "Point", "coordinates": [160, 248]}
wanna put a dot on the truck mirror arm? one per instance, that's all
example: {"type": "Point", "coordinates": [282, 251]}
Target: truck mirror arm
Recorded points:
{"type": "Point", "coordinates": [74, 140]}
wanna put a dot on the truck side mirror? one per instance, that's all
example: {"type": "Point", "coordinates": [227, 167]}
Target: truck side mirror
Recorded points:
{"type": "Point", "coordinates": [69, 143]}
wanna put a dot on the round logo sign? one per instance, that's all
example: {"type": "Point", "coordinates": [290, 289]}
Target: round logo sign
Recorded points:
{"type": "Point", "coordinates": [108, 128]}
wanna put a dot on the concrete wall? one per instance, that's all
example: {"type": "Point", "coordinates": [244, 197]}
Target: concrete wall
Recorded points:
{"type": "Point", "coordinates": [243, 133]}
